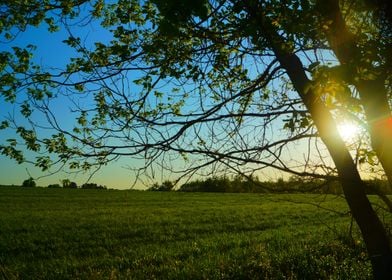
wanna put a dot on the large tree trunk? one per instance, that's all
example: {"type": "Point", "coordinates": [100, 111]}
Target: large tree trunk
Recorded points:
{"type": "Point", "coordinates": [372, 91]}
{"type": "Point", "coordinates": [373, 232]}
{"type": "Point", "coordinates": [378, 114]}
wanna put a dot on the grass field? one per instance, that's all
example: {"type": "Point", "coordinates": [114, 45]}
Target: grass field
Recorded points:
{"type": "Point", "coordinates": [92, 234]}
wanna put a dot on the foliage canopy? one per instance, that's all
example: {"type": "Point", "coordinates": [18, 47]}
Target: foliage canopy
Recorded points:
{"type": "Point", "coordinates": [194, 80]}
{"type": "Point", "coordinates": [214, 85]}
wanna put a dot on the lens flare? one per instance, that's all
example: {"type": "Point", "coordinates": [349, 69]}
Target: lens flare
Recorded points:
{"type": "Point", "coordinates": [349, 131]}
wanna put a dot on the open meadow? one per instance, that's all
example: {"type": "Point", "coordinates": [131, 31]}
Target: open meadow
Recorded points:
{"type": "Point", "coordinates": [109, 234]}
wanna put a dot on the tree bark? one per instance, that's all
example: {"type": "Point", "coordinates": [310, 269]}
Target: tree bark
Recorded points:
{"type": "Point", "coordinates": [373, 232]}
{"type": "Point", "coordinates": [372, 91]}
{"type": "Point", "coordinates": [378, 114]}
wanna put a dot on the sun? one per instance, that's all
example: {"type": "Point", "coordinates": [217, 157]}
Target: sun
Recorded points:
{"type": "Point", "coordinates": [349, 131]}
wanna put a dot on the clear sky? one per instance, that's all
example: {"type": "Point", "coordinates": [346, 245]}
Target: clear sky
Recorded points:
{"type": "Point", "coordinates": [52, 52]}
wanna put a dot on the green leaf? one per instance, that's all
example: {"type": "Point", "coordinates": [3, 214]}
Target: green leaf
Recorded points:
{"type": "Point", "coordinates": [313, 65]}
{"type": "Point", "coordinates": [4, 125]}
{"type": "Point", "coordinates": [25, 109]}
{"type": "Point", "coordinates": [79, 87]}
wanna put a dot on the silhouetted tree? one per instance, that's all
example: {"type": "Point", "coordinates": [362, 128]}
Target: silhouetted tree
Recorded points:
{"type": "Point", "coordinates": [164, 187]}
{"type": "Point", "coordinates": [92, 186]}
{"type": "Point", "coordinates": [68, 184]}
{"type": "Point", "coordinates": [54, 186]}
{"type": "Point", "coordinates": [29, 183]}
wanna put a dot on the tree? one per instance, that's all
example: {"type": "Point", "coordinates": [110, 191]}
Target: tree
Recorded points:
{"type": "Point", "coordinates": [166, 186]}
{"type": "Point", "coordinates": [67, 184]}
{"type": "Point", "coordinates": [218, 85]}
{"type": "Point", "coordinates": [92, 186]}
{"type": "Point", "coordinates": [54, 186]}
{"type": "Point", "coordinates": [29, 183]}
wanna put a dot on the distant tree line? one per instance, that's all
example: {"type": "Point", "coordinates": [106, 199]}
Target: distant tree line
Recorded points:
{"type": "Point", "coordinates": [236, 184]}
{"type": "Point", "coordinates": [165, 186]}
{"type": "Point", "coordinates": [93, 186]}
{"type": "Point", "coordinates": [239, 184]}
{"type": "Point", "coordinates": [65, 183]}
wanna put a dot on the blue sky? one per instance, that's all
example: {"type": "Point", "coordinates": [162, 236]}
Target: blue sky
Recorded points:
{"type": "Point", "coordinates": [53, 53]}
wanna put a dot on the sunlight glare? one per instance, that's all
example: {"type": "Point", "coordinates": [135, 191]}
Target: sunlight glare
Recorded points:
{"type": "Point", "coordinates": [348, 130]}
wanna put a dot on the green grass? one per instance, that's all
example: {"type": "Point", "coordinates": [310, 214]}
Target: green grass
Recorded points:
{"type": "Point", "coordinates": [90, 234]}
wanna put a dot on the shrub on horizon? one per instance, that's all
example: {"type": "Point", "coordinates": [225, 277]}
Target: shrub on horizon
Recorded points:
{"type": "Point", "coordinates": [29, 183]}
{"type": "Point", "coordinates": [53, 186]}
